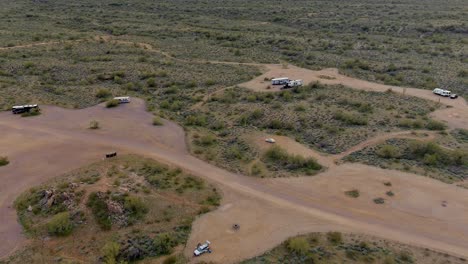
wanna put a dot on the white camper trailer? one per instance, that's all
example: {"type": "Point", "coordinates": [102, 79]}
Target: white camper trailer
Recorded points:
{"type": "Point", "coordinates": [280, 81]}
{"type": "Point", "coordinates": [442, 92]}
{"type": "Point", "coordinates": [122, 99]}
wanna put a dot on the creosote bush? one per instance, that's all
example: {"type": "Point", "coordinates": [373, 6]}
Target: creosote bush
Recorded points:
{"type": "Point", "coordinates": [103, 93]}
{"type": "Point", "coordinates": [353, 193]}
{"type": "Point", "coordinates": [298, 245]}
{"type": "Point", "coordinates": [157, 121]}
{"type": "Point", "coordinates": [112, 103]}
{"type": "Point", "coordinates": [60, 224]}
{"type": "Point", "coordinates": [278, 157]}
{"type": "Point", "coordinates": [335, 237]}
{"type": "Point", "coordinates": [4, 161]}
{"type": "Point", "coordinates": [94, 124]}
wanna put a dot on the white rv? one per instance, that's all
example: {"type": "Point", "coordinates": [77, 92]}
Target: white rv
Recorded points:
{"type": "Point", "coordinates": [122, 99]}
{"type": "Point", "coordinates": [19, 109]}
{"type": "Point", "coordinates": [280, 81]}
{"type": "Point", "coordinates": [442, 92]}
{"type": "Point", "coordinates": [292, 84]}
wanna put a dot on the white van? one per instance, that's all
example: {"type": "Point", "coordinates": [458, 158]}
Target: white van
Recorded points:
{"type": "Point", "coordinates": [122, 99]}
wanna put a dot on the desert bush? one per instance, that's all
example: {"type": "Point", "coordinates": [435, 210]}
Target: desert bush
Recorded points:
{"type": "Point", "coordinates": [4, 161]}
{"type": "Point", "coordinates": [135, 207]}
{"type": "Point", "coordinates": [388, 152]}
{"type": "Point", "coordinates": [379, 200]}
{"type": "Point", "coordinates": [103, 93]}
{"type": "Point", "coordinates": [157, 121]}
{"type": "Point", "coordinates": [99, 209]}
{"type": "Point", "coordinates": [94, 124]}
{"type": "Point", "coordinates": [60, 224]}
{"type": "Point", "coordinates": [353, 193]}
{"type": "Point", "coordinates": [207, 140]}
{"type": "Point", "coordinates": [335, 237]}
{"type": "Point", "coordinates": [405, 257]}
{"type": "Point", "coordinates": [350, 118]}
{"type": "Point", "coordinates": [298, 245]}
{"type": "Point", "coordinates": [112, 103]}
{"type": "Point", "coordinates": [164, 243]}
{"type": "Point", "coordinates": [110, 252]}
{"type": "Point", "coordinates": [435, 125]}
{"type": "Point", "coordinates": [277, 156]}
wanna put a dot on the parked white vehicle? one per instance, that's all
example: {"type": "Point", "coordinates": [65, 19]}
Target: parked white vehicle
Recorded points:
{"type": "Point", "coordinates": [292, 83]}
{"type": "Point", "coordinates": [203, 248]}
{"type": "Point", "coordinates": [122, 99]}
{"type": "Point", "coordinates": [18, 109]}
{"type": "Point", "coordinates": [442, 92]}
{"type": "Point", "coordinates": [270, 140]}
{"type": "Point", "coordinates": [280, 81]}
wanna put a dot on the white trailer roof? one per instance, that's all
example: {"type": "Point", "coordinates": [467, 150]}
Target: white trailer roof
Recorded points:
{"type": "Point", "coordinates": [279, 79]}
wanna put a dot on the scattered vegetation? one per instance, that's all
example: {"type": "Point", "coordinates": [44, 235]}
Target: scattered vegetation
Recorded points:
{"type": "Point", "coordinates": [425, 158]}
{"type": "Point", "coordinates": [149, 212]}
{"type": "Point", "coordinates": [334, 247]}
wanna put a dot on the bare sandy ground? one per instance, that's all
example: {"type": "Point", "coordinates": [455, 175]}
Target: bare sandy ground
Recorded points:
{"type": "Point", "coordinates": [268, 211]}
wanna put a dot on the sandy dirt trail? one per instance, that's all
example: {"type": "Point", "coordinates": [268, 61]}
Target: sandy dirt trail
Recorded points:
{"type": "Point", "coordinates": [268, 211]}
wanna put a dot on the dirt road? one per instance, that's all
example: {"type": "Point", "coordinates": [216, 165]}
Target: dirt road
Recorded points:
{"type": "Point", "coordinates": [268, 210]}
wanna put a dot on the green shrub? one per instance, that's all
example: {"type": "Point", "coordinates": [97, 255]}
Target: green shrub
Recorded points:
{"type": "Point", "coordinates": [4, 161]}
{"type": "Point", "coordinates": [335, 237]}
{"type": "Point", "coordinates": [350, 118]}
{"type": "Point", "coordinates": [99, 209]}
{"type": "Point", "coordinates": [60, 224]}
{"type": "Point", "coordinates": [157, 121]}
{"type": "Point", "coordinates": [110, 252]}
{"type": "Point", "coordinates": [207, 140]}
{"type": "Point", "coordinates": [112, 103]}
{"type": "Point", "coordinates": [405, 257]}
{"type": "Point", "coordinates": [353, 193]}
{"type": "Point", "coordinates": [103, 93]}
{"type": "Point", "coordinates": [388, 152]}
{"type": "Point", "coordinates": [278, 157]}
{"type": "Point", "coordinates": [164, 243]}
{"type": "Point", "coordinates": [135, 207]}
{"type": "Point", "coordinates": [379, 200]}
{"type": "Point", "coordinates": [298, 245]}
{"type": "Point", "coordinates": [435, 125]}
